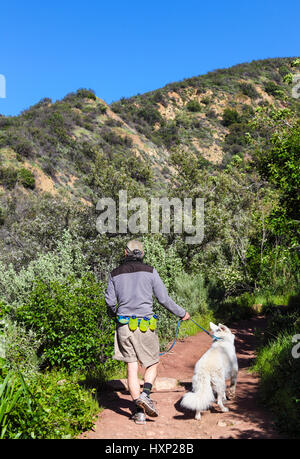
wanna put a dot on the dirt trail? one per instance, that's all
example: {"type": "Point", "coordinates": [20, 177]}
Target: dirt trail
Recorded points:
{"type": "Point", "coordinates": [245, 419]}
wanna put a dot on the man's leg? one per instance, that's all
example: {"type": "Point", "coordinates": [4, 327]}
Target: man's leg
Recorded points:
{"type": "Point", "coordinates": [134, 389]}
{"type": "Point", "coordinates": [144, 401]}
{"type": "Point", "coordinates": [133, 380]}
{"type": "Point", "coordinates": [151, 373]}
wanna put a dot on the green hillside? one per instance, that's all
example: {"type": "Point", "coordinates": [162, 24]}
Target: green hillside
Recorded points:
{"type": "Point", "coordinates": [231, 137]}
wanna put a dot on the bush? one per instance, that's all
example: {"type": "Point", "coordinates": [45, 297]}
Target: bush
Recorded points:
{"type": "Point", "coordinates": [278, 369]}
{"type": "Point", "coordinates": [249, 90]}
{"type": "Point", "coordinates": [193, 106]}
{"type": "Point", "coordinates": [191, 293]}
{"type": "Point", "coordinates": [71, 320]}
{"type": "Point", "coordinates": [8, 177]}
{"type": "Point", "coordinates": [150, 114]}
{"type": "Point", "coordinates": [2, 216]}
{"type": "Point", "coordinates": [280, 383]}
{"type": "Point", "coordinates": [23, 147]}
{"type": "Point", "coordinates": [66, 260]}
{"type": "Point", "coordinates": [272, 88]}
{"type": "Point", "coordinates": [230, 117]}
{"type": "Point", "coordinates": [26, 178]}
{"type": "Point", "coordinates": [168, 134]}
{"type": "Point", "coordinates": [18, 348]}
{"type": "Point", "coordinates": [86, 93]}
{"type": "Point", "coordinates": [53, 405]}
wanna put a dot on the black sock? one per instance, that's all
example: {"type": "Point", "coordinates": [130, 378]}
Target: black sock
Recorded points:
{"type": "Point", "coordinates": [147, 388]}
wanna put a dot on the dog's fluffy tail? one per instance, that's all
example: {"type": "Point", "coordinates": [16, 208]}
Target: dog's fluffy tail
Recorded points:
{"type": "Point", "coordinates": [202, 396]}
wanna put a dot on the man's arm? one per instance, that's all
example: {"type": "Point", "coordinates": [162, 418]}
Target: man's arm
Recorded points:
{"type": "Point", "coordinates": [110, 297]}
{"type": "Point", "coordinates": [163, 298]}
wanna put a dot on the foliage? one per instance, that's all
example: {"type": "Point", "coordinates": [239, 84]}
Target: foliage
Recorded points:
{"type": "Point", "coordinates": [280, 165]}
{"type": "Point", "coordinates": [66, 260]}
{"type": "Point", "coordinates": [18, 348]}
{"type": "Point", "coordinates": [278, 368]}
{"type": "Point", "coordinates": [50, 406]}
{"type": "Point", "coordinates": [191, 293]}
{"type": "Point", "coordinates": [26, 178]}
{"type": "Point", "coordinates": [193, 106]}
{"type": "Point", "coordinates": [280, 391]}
{"type": "Point", "coordinates": [10, 394]}
{"type": "Point", "coordinates": [52, 306]}
{"type": "Point", "coordinates": [70, 319]}
{"type": "Point", "coordinates": [249, 90]}
{"type": "Point", "coordinates": [230, 117]}
{"type": "Point", "coordinates": [8, 177]}
{"type": "Point", "coordinates": [272, 88]}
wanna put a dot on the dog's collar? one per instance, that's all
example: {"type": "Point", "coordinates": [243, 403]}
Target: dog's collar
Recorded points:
{"type": "Point", "coordinates": [215, 338]}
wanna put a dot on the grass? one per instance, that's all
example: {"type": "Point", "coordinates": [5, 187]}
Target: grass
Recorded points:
{"type": "Point", "coordinates": [279, 375]}
{"type": "Point", "coordinates": [277, 363]}
{"type": "Point", "coordinates": [188, 328]}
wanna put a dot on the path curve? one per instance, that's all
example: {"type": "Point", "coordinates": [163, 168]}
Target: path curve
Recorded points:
{"type": "Point", "coordinates": [245, 419]}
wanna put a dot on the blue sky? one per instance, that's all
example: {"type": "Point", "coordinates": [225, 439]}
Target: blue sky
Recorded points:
{"type": "Point", "coordinates": [122, 48]}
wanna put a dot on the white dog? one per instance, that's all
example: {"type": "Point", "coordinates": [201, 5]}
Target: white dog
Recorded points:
{"type": "Point", "coordinates": [211, 371]}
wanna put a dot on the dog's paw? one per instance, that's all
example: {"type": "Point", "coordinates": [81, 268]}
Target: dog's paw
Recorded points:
{"type": "Point", "coordinates": [198, 416]}
{"type": "Point", "coordinates": [231, 393]}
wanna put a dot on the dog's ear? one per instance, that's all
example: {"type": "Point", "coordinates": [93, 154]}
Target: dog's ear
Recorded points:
{"type": "Point", "coordinates": [223, 327]}
{"type": "Point", "coordinates": [213, 327]}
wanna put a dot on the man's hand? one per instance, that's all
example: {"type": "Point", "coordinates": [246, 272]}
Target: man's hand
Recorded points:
{"type": "Point", "coordinates": [186, 317]}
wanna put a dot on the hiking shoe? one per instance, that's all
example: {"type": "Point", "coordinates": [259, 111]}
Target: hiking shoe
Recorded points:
{"type": "Point", "coordinates": [139, 417]}
{"type": "Point", "coordinates": [145, 402]}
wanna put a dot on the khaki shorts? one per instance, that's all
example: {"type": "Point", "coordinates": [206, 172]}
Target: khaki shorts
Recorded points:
{"type": "Point", "coordinates": [133, 346]}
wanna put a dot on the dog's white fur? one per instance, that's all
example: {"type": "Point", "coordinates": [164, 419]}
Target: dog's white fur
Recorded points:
{"type": "Point", "coordinates": [211, 371]}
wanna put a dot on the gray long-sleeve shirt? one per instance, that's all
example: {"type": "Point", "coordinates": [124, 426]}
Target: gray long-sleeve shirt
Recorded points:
{"type": "Point", "coordinates": [131, 286]}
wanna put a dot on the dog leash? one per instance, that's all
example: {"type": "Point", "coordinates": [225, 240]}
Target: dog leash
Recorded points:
{"type": "Point", "coordinates": [177, 328]}
{"type": "Point", "coordinates": [210, 334]}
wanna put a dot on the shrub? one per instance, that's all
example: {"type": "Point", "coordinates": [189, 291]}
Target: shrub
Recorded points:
{"type": "Point", "coordinates": [280, 383]}
{"type": "Point", "coordinates": [18, 348]}
{"type": "Point", "coordinates": [86, 93]}
{"type": "Point", "coordinates": [191, 293]}
{"type": "Point", "coordinates": [2, 216]}
{"type": "Point", "coordinates": [193, 106]}
{"type": "Point", "coordinates": [206, 100]}
{"type": "Point", "coordinates": [278, 368]}
{"type": "Point", "coordinates": [71, 320]}
{"type": "Point", "coordinates": [26, 178]}
{"type": "Point", "coordinates": [52, 405]}
{"type": "Point", "coordinates": [23, 147]}
{"type": "Point", "coordinates": [230, 117]}
{"type": "Point", "coordinates": [8, 177]}
{"type": "Point", "coordinates": [249, 90]}
{"type": "Point", "coordinates": [114, 139]}
{"type": "Point", "coordinates": [272, 88]}
{"type": "Point", "coordinates": [168, 133]}
{"type": "Point", "coordinates": [150, 114]}
{"type": "Point", "coordinates": [56, 123]}
{"type": "Point", "coordinates": [66, 260]}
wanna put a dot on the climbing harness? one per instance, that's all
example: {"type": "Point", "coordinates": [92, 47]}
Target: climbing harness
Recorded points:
{"type": "Point", "coordinates": [215, 338]}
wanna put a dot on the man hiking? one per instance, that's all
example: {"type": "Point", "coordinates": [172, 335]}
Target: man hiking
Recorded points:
{"type": "Point", "coordinates": [129, 295]}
